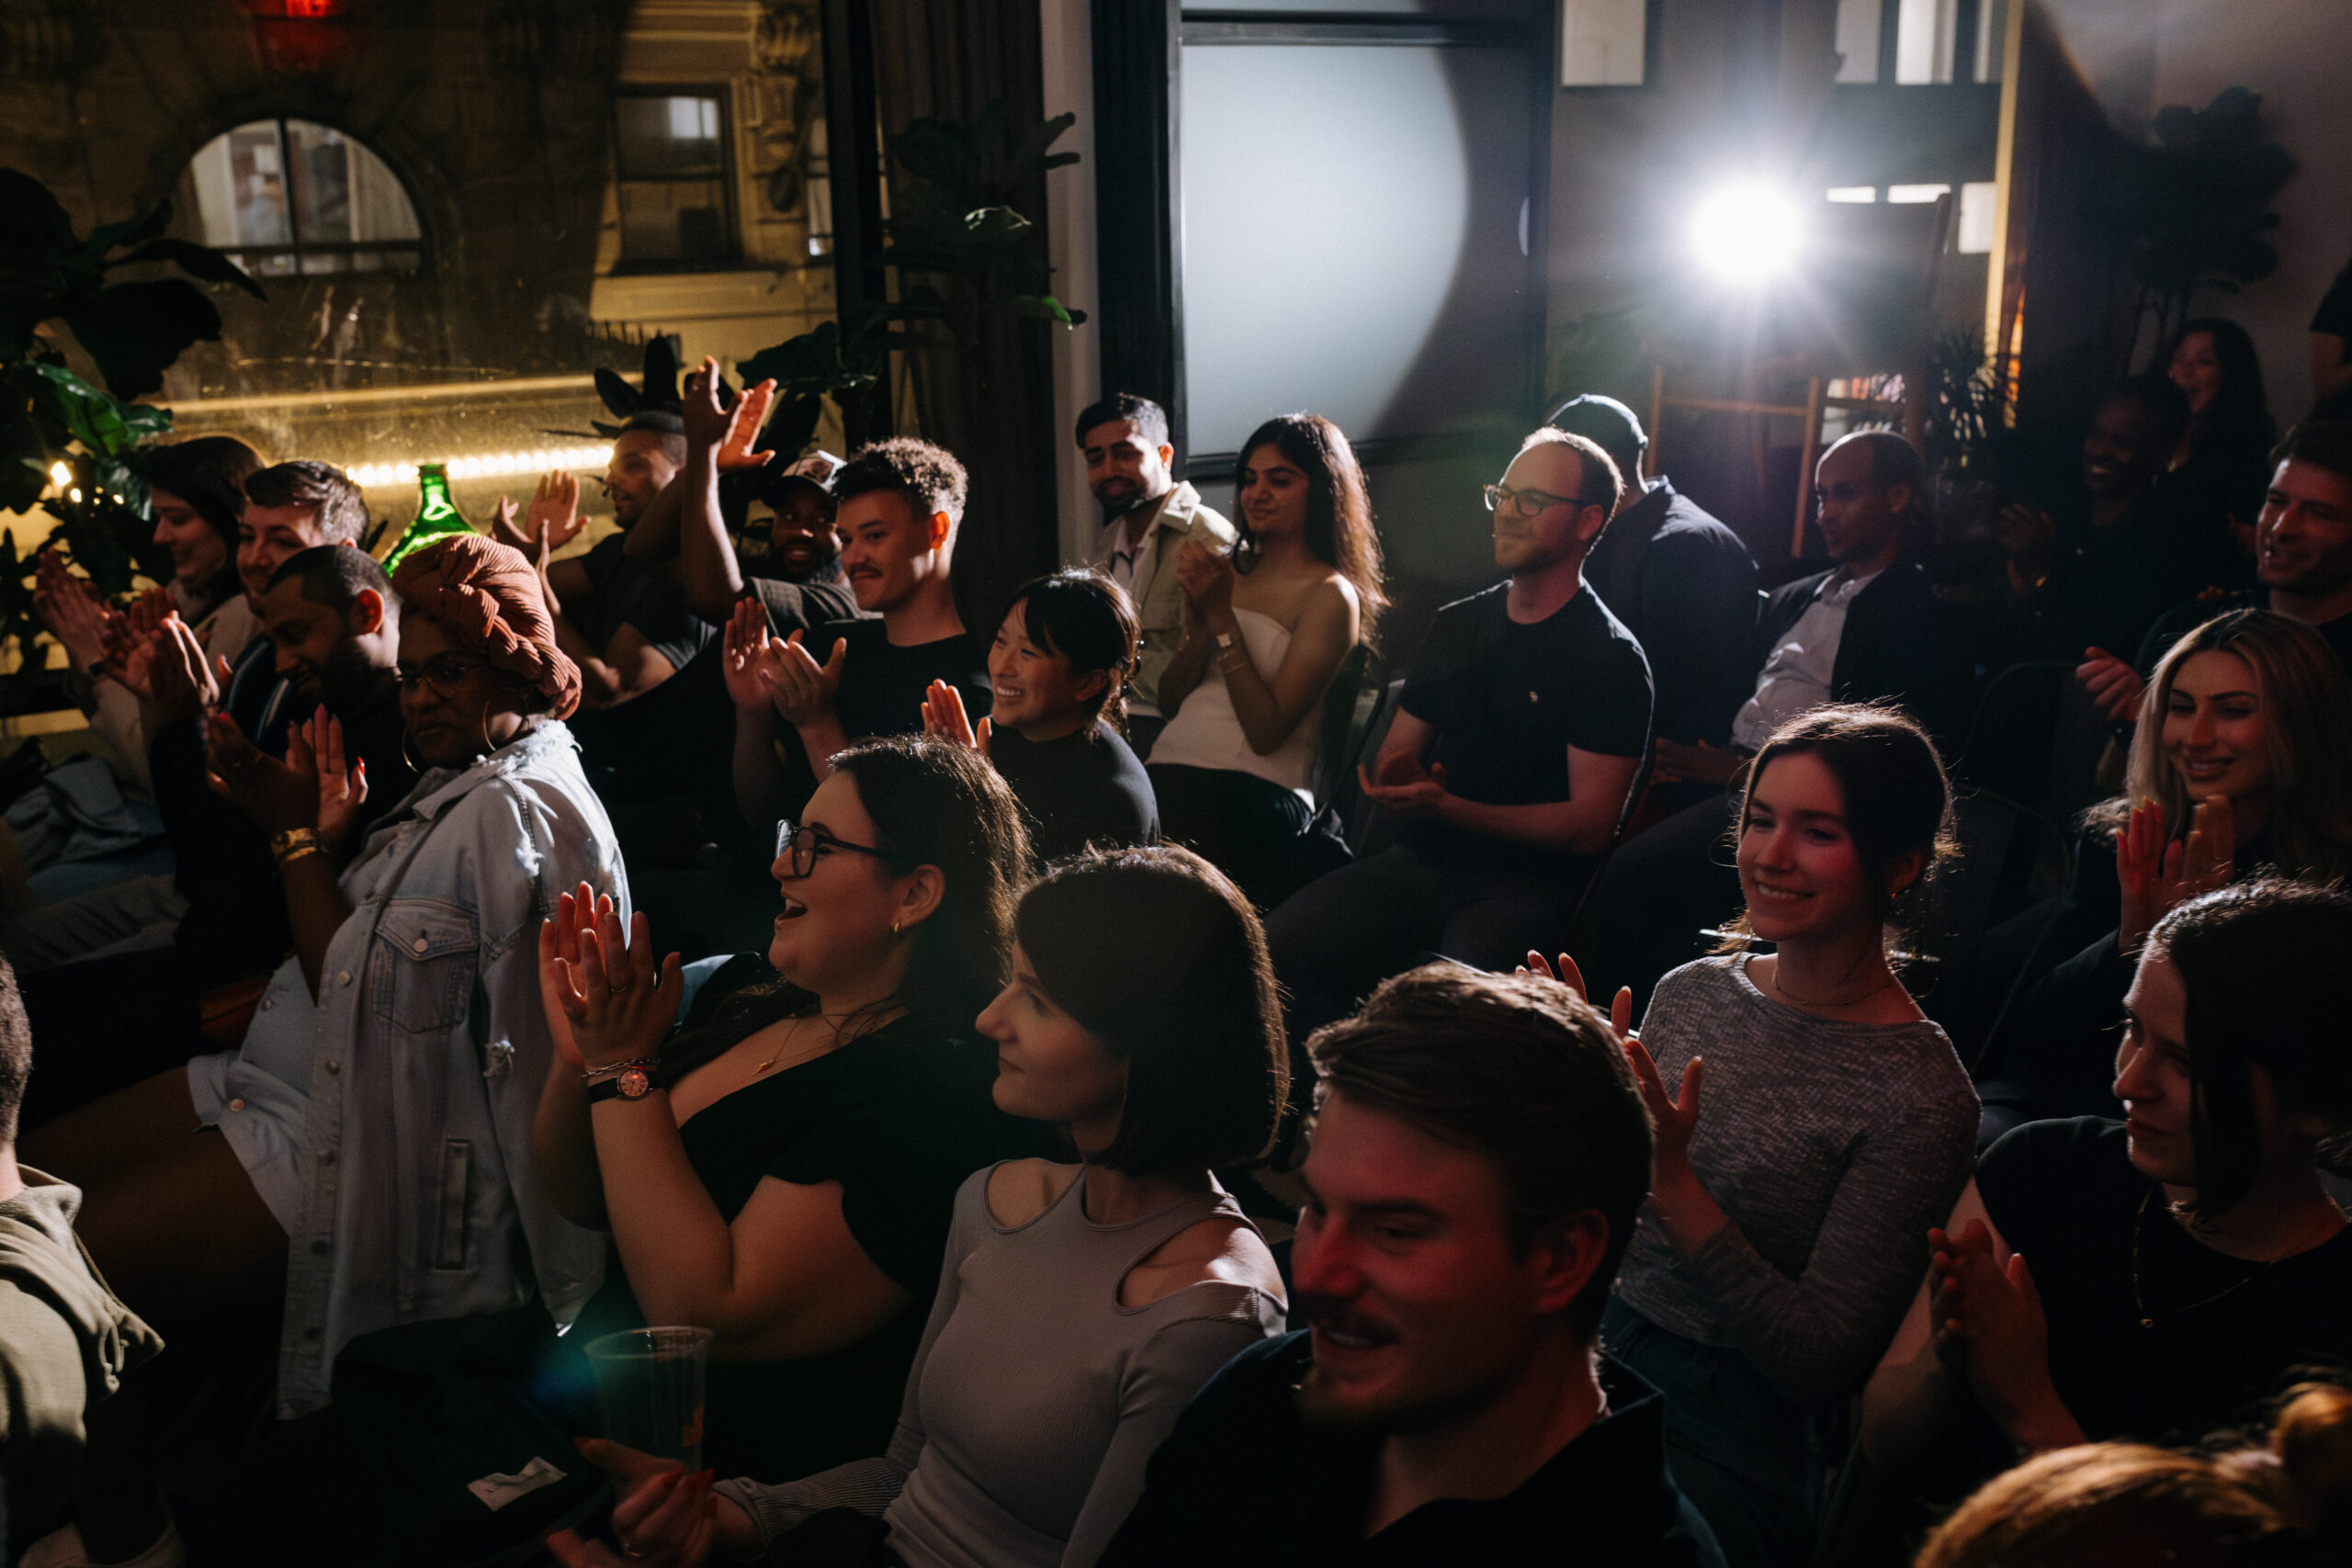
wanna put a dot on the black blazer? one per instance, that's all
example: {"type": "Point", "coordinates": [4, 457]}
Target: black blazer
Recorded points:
{"type": "Point", "coordinates": [1901, 643]}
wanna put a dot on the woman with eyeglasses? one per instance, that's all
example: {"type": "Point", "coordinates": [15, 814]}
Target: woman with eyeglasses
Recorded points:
{"type": "Point", "coordinates": [372, 1164]}
{"type": "Point", "coordinates": [1265, 629]}
{"type": "Point", "coordinates": [780, 1165]}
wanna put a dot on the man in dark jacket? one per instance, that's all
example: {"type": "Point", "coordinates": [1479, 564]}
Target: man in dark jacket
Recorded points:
{"type": "Point", "coordinates": [1680, 580]}
{"type": "Point", "coordinates": [1869, 629]}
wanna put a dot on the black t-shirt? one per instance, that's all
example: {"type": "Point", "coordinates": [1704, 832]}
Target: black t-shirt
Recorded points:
{"type": "Point", "coordinates": [899, 1118]}
{"type": "Point", "coordinates": [806, 605]}
{"type": "Point", "coordinates": [1508, 701]}
{"type": "Point", "coordinates": [2227, 1332]}
{"type": "Point", "coordinates": [2335, 318]}
{"type": "Point", "coordinates": [1081, 789]}
{"type": "Point", "coordinates": [883, 685]}
{"type": "Point", "coordinates": [620, 593]}
{"type": "Point", "coordinates": [1243, 1482]}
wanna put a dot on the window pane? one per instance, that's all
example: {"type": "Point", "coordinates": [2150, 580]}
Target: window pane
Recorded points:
{"type": "Point", "coordinates": [1602, 43]}
{"type": "Point", "coordinates": [667, 136]}
{"type": "Point", "coordinates": [1923, 40]}
{"type": "Point", "coordinates": [334, 191]}
{"type": "Point", "coordinates": [674, 221]}
{"type": "Point", "coordinates": [258, 183]}
{"type": "Point", "coordinates": [322, 183]}
{"type": "Point", "coordinates": [1352, 235]}
{"type": "Point", "coordinates": [1858, 25]}
{"type": "Point", "coordinates": [1978, 203]}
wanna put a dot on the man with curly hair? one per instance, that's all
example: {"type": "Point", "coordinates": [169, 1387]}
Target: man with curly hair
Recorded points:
{"type": "Point", "coordinates": [899, 503]}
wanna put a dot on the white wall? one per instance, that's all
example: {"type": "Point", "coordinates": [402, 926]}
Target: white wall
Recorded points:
{"type": "Point", "coordinates": [1069, 222]}
{"type": "Point", "coordinates": [2142, 55]}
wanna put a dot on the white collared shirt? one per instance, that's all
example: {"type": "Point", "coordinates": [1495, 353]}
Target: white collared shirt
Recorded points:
{"type": "Point", "coordinates": [1796, 672]}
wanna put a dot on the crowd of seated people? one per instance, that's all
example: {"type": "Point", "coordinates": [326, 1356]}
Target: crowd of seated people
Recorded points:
{"type": "Point", "coordinates": [1068, 1161]}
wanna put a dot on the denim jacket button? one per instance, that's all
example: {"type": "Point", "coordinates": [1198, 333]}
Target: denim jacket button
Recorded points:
{"type": "Point", "coordinates": [342, 977]}
{"type": "Point", "coordinates": [236, 1105]}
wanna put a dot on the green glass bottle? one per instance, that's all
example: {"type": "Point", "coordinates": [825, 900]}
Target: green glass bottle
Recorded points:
{"type": "Point", "coordinates": [436, 515]}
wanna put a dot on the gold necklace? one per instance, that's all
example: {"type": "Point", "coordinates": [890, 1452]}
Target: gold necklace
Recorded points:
{"type": "Point", "coordinates": [1849, 1001]}
{"type": "Point", "coordinates": [834, 1043]}
{"type": "Point", "coordinates": [2139, 1300]}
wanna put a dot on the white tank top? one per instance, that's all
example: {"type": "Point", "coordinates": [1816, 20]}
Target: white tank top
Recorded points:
{"type": "Point", "coordinates": [1206, 732]}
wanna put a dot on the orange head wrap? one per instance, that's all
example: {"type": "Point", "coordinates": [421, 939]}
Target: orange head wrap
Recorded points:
{"type": "Point", "coordinates": [487, 597]}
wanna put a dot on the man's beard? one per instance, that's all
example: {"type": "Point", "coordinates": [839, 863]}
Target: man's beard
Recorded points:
{"type": "Point", "coordinates": [345, 679]}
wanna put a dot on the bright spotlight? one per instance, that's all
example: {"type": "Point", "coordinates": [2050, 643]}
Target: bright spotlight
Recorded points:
{"type": "Point", "coordinates": [60, 475]}
{"type": "Point", "coordinates": [1746, 233]}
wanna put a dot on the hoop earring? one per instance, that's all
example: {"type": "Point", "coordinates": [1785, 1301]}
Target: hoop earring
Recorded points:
{"type": "Point", "coordinates": [894, 928]}
{"type": "Point", "coordinates": [408, 754]}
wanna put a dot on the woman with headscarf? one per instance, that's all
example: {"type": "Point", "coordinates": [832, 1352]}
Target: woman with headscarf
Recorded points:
{"type": "Point", "coordinates": [373, 1162]}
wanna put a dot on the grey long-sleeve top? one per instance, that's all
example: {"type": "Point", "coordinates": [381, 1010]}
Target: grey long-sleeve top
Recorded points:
{"type": "Point", "coordinates": [1832, 1147]}
{"type": "Point", "coordinates": [1035, 1398]}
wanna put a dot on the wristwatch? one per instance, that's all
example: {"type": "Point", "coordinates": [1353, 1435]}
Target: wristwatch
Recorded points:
{"type": "Point", "coordinates": [633, 1083]}
{"type": "Point", "coordinates": [294, 843]}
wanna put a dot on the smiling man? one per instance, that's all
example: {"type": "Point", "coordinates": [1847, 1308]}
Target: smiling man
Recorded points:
{"type": "Point", "coordinates": [1149, 513]}
{"type": "Point", "coordinates": [1520, 732]}
{"type": "Point", "coordinates": [1479, 1155]}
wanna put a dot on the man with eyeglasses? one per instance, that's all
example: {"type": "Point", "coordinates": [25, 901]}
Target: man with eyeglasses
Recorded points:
{"type": "Point", "coordinates": [1521, 727]}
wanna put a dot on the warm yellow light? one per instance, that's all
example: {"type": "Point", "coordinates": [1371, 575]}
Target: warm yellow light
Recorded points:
{"type": "Point", "coordinates": [74, 495]}
{"type": "Point", "coordinates": [482, 466]}
{"type": "Point", "coordinates": [60, 475]}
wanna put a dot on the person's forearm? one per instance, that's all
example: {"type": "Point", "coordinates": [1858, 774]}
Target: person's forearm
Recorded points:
{"type": "Point", "coordinates": [713, 578]}
{"type": "Point", "coordinates": [600, 684]}
{"type": "Point", "coordinates": [822, 738]}
{"type": "Point", "coordinates": [1688, 1213]}
{"type": "Point", "coordinates": [563, 1148]}
{"type": "Point", "coordinates": [674, 1246]}
{"type": "Point", "coordinates": [758, 779]}
{"type": "Point", "coordinates": [315, 909]}
{"type": "Point", "coordinates": [1259, 713]}
{"type": "Point", "coordinates": [1183, 672]}
{"type": "Point", "coordinates": [1579, 827]}
{"type": "Point", "coordinates": [2043, 1422]}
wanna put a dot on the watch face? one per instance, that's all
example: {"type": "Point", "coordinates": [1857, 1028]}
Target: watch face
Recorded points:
{"type": "Point", "coordinates": [634, 1084]}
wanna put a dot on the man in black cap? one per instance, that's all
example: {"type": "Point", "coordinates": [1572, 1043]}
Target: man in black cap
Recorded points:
{"type": "Point", "coordinates": [1680, 580]}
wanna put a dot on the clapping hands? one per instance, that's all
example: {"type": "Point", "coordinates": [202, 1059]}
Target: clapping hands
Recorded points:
{"type": "Point", "coordinates": [2114, 686]}
{"type": "Point", "coordinates": [619, 1004]}
{"type": "Point", "coordinates": [1990, 1329]}
{"type": "Point", "coordinates": [1676, 1117]}
{"type": "Point", "coordinates": [1406, 790]}
{"type": "Point", "coordinates": [711, 422]}
{"type": "Point", "coordinates": [943, 719]}
{"type": "Point", "coordinates": [2158, 875]}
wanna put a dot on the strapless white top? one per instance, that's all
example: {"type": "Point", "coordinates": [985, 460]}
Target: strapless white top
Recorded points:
{"type": "Point", "coordinates": [1206, 732]}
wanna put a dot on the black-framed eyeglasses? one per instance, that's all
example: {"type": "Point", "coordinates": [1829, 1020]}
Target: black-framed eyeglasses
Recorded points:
{"type": "Point", "coordinates": [1525, 503]}
{"type": "Point", "coordinates": [444, 674]}
{"type": "Point", "coordinates": [801, 841]}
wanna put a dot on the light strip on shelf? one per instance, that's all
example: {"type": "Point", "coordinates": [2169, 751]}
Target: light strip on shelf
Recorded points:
{"type": "Point", "coordinates": [484, 466]}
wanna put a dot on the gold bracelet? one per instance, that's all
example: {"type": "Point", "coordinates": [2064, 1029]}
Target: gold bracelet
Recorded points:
{"type": "Point", "coordinates": [294, 843]}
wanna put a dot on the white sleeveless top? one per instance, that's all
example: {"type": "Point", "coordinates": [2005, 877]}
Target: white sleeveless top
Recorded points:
{"type": "Point", "coordinates": [1206, 732]}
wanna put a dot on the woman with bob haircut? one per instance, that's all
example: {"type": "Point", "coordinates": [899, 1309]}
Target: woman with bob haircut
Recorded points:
{"type": "Point", "coordinates": [1785, 1229]}
{"type": "Point", "coordinates": [2155, 1277]}
{"type": "Point", "coordinates": [1064, 652]}
{"type": "Point", "coordinates": [1082, 1301]}
{"type": "Point", "coordinates": [1266, 627]}
{"type": "Point", "coordinates": [781, 1167]}
{"type": "Point", "coordinates": [2241, 759]}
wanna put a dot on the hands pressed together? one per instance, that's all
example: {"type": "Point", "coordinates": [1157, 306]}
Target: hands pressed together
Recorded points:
{"type": "Point", "coordinates": [1990, 1333]}
{"type": "Point", "coordinates": [608, 999]}
{"type": "Point", "coordinates": [312, 788]}
{"type": "Point", "coordinates": [763, 669]}
{"type": "Point", "coordinates": [944, 718]}
{"type": "Point", "coordinates": [1406, 790]}
{"type": "Point", "coordinates": [2158, 873]}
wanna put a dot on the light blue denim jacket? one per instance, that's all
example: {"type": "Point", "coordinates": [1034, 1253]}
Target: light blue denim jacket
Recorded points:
{"type": "Point", "coordinates": [388, 1124]}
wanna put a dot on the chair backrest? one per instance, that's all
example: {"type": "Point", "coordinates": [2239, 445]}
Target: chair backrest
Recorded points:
{"type": "Point", "coordinates": [1350, 703]}
{"type": "Point", "coordinates": [1358, 815]}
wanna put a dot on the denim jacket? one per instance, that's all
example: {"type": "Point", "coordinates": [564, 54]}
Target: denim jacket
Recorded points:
{"type": "Point", "coordinates": [417, 1198]}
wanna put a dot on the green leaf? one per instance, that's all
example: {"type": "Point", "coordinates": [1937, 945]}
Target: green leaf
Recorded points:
{"type": "Point", "coordinates": [197, 261]}
{"type": "Point", "coordinates": [1044, 307]}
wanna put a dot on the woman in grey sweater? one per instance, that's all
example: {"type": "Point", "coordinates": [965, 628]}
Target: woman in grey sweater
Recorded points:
{"type": "Point", "coordinates": [1784, 1231]}
{"type": "Point", "coordinates": [1081, 1303]}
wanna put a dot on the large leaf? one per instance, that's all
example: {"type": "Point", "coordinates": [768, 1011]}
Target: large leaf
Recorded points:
{"type": "Point", "coordinates": [661, 372]}
{"type": "Point", "coordinates": [197, 261]}
{"type": "Point", "coordinates": [792, 425]}
{"type": "Point", "coordinates": [619, 396]}
{"type": "Point", "coordinates": [105, 425]}
{"type": "Point", "coordinates": [136, 229]}
{"type": "Point", "coordinates": [135, 331]}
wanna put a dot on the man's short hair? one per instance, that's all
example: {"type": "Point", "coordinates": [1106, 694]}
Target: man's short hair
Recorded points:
{"type": "Point", "coordinates": [1893, 461]}
{"type": "Point", "coordinates": [667, 424]}
{"type": "Point", "coordinates": [2322, 442]}
{"type": "Point", "coordinates": [333, 575]}
{"type": "Point", "coordinates": [16, 1053]}
{"type": "Point", "coordinates": [1600, 480]}
{"type": "Point", "coordinates": [1610, 425]}
{"type": "Point", "coordinates": [1518, 1069]}
{"type": "Point", "coordinates": [928, 476]}
{"type": "Point", "coordinates": [1148, 418]}
{"type": "Point", "coordinates": [327, 489]}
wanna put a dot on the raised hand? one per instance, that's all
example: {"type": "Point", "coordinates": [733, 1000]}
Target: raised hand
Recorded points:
{"type": "Point", "coordinates": [1677, 1118]}
{"type": "Point", "coordinates": [703, 408]}
{"type": "Point", "coordinates": [744, 422]}
{"type": "Point", "coordinates": [2114, 686]}
{"type": "Point", "coordinates": [1990, 1328]}
{"type": "Point", "coordinates": [799, 687]}
{"type": "Point", "coordinates": [943, 719]}
{"type": "Point", "coordinates": [744, 656]}
{"type": "Point", "coordinates": [1208, 578]}
{"type": "Point", "coordinates": [1621, 1006]}
{"type": "Point", "coordinates": [74, 613]}
{"type": "Point", "coordinates": [504, 529]}
{"type": "Point", "coordinates": [560, 952]}
{"type": "Point", "coordinates": [316, 745]}
{"type": "Point", "coordinates": [182, 685]}
{"type": "Point", "coordinates": [277, 795]}
{"type": "Point", "coordinates": [621, 1003]}
{"type": "Point", "coordinates": [553, 520]}
{"type": "Point", "coordinates": [2156, 874]}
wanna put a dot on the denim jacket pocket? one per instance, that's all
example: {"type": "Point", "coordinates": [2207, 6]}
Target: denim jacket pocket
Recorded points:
{"type": "Point", "coordinates": [427, 955]}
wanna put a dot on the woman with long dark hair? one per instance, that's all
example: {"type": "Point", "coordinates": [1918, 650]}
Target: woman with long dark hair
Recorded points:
{"type": "Point", "coordinates": [2222, 464]}
{"type": "Point", "coordinates": [1082, 1299]}
{"type": "Point", "coordinates": [1788, 1212]}
{"type": "Point", "coordinates": [781, 1167]}
{"type": "Point", "coordinates": [1266, 627]}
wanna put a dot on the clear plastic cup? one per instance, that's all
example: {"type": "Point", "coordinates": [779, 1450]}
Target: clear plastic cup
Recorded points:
{"type": "Point", "coordinates": [649, 1382]}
